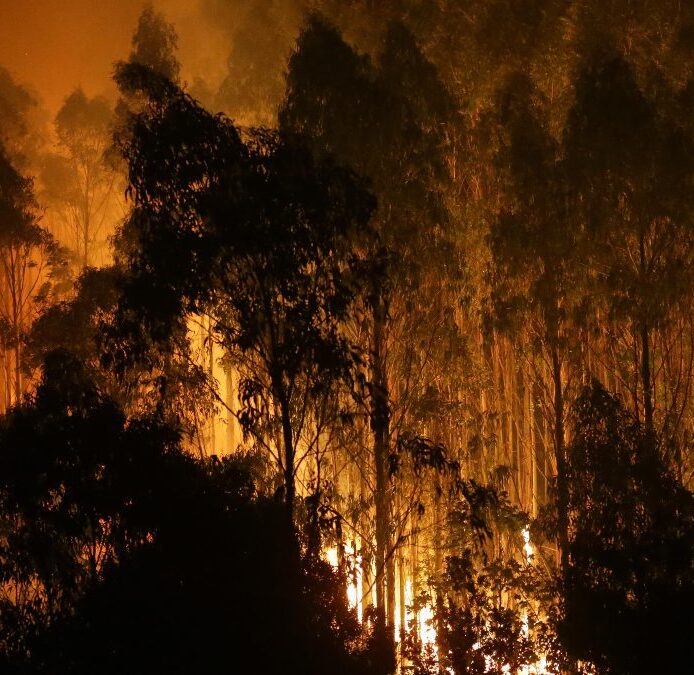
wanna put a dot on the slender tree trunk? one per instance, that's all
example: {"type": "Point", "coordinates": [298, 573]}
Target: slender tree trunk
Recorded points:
{"type": "Point", "coordinates": [646, 379]}
{"type": "Point", "coordinates": [380, 423]}
{"type": "Point", "coordinates": [390, 587]}
{"type": "Point", "coordinates": [17, 320]}
{"type": "Point", "coordinates": [231, 442]}
{"type": "Point", "coordinates": [414, 570]}
{"type": "Point", "coordinates": [210, 364]}
{"type": "Point", "coordinates": [5, 379]}
{"type": "Point", "coordinates": [314, 535]}
{"type": "Point", "coordinates": [366, 552]}
{"type": "Point", "coordinates": [539, 449]}
{"type": "Point", "coordinates": [402, 581]}
{"type": "Point", "coordinates": [85, 247]}
{"type": "Point", "coordinates": [86, 226]}
{"type": "Point", "coordinates": [17, 369]}
{"type": "Point", "coordinates": [560, 455]}
{"type": "Point", "coordinates": [288, 442]}
{"type": "Point", "coordinates": [645, 347]}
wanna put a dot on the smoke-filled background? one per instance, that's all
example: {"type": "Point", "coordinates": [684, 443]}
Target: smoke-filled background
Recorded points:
{"type": "Point", "coordinates": [346, 336]}
{"type": "Point", "coordinates": [50, 47]}
{"type": "Point", "coordinates": [230, 55]}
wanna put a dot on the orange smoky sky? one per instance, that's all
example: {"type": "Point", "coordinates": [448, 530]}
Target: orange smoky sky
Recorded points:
{"type": "Point", "coordinates": [55, 45]}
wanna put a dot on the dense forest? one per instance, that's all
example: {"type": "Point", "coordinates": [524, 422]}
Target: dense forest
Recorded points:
{"type": "Point", "coordinates": [375, 355]}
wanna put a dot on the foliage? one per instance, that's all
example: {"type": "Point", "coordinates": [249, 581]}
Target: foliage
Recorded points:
{"type": "Point", "coordinates": [155, 43]}
{"type": "Point", "coordinates": [120, 552]}
{"type": "Point", "coordinates": [32, 268]}
{"type": "Point", "coordinates": [260, 36]}
{"type": "Point", "coordinates": [627, 591]}
{"type": "Point", "coordinates": [259, 234]}
{"type": "Point", "coordinates": [81, 181]}
{"type": "Point", "coordinates": [20, 120]}
{"type": "Point", "coordinates": [465, 211]}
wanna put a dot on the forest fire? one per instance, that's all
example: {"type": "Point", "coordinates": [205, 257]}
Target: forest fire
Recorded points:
{"type": "Point", "coordinates": [419, 619]}
{"type": "Point", "coordinates": [355, 589]}
{"type": "Point", "coordinates": [346, 337]}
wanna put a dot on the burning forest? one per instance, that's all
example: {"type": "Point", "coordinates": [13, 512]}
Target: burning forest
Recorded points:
{"type": "Point", "coordinates": [347, 337]}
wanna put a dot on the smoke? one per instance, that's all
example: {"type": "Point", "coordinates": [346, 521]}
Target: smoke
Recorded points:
{"type": "Point", "coordinates": [258, 38]}
{"type": "Point", "coordinates": [23, 122]}
{"type": "Point", "coordinates": [52, 46]}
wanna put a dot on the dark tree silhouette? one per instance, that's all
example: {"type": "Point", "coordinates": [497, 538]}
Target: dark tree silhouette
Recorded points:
{"type": "Point", "coordinates": [535, 244]}
{"type": "Point", "coordinates": [629, 166]}
{"type": "Point", "coordinates": [155, 43]}
{"type": "Point", "coordinates": [629, 585]}
{"type": "Point", "coordinates": [387, 120]}
{"type": "Point", "coordinates": [31, 267]}
{"type": "Point", "coordinates": [255, 235]}
{"type": "Point", "coordinates": [81, 181]}
{"type": "Point", "coordinates": [121, 553]}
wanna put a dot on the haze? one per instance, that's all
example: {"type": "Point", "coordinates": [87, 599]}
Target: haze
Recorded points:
{"type": "Point", "coordinates": [52, 46]}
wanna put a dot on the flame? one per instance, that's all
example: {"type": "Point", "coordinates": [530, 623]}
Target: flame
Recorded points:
{"type": "Point", "coordinates": [528, 548]}
{"type": "Point", "coordinates": [355, 586]}
{"type": "Point", "coordinates": [539, 668]}
{"type": "Point", "coordinates": [331, 557]}
{"type": "Point", "coordinates": [427, 630]}
{"type": "Point", "coordinates": [422, 618]}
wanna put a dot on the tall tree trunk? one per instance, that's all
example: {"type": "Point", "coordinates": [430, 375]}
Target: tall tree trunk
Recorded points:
{"type": "Point", "coordinates": [231, 441]}
{"type": "Point", "coordinates": [390, 587]}
{"type": "Point", "coordinates": [17, 369]}
{"type": "Point", "coordinates": [210, 364]}
{"type": "Point", "coordinates": [17, 321]}
{"type": "Point", "coordinates": [288, 442]}
{"type": "Point", "coordinates": [365, 550]}
{"type": "Point", "coordinates": [402, 595]}
{"type": "Point", "coordinates": [314, 534]}
{"type": "Point", "coordinates": [86, 226]}
{"type": "Point", "coordinates": [646, 379]}
{"type": "Point", "coordinates": [380, 426]}
{"type": "Point", "coordinates": [645, 347]}
{"type": "Point", "coordinates": [560, 455]}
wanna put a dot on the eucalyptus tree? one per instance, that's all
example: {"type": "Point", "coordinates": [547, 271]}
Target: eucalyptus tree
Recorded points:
{"type": "Point", "coordinates": [21, 121]}
{"type": "Point", "coordinates": [154, 44]}
{"type": "Point", "coordinates": [534, 241]}
{"type": "Point", "coordinates": [628, 589]}
{"type": "Point", "coordinates": [261, 37]}
{"type": "Point", "coordinates": [69, 497]}
{"type": "Point", "coordinates": [81, 181]}
{"type": "Point", "coordinates": [385, 118]}
{"type": "Point", "coordinates": [112, 537]}
{"type": "Point", "coordinates": [31, 267]}
{"type": "Point", "coordinates": [631, 172]}
{"type": "Point", "coordinates": [256, 234]}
